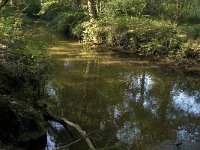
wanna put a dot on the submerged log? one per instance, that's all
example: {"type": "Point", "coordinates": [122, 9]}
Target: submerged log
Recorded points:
{"type": "Point", "coordinates": [66, 123]}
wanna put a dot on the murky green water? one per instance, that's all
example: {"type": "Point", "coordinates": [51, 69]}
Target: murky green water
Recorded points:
{"type": "Point", "coordinates": [127, 102]}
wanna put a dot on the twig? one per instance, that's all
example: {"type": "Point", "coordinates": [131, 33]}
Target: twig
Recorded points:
{"type": "Point", "coordinates": [81, 131]}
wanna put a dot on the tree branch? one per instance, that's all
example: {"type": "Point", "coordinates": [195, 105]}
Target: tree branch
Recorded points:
{"type": "Point", "coordinates": [74, 142]}
{"type": "Point", "coordinates": [67, 123]}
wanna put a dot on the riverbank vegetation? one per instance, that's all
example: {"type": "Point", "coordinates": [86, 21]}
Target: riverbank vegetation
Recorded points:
{"type": "Point", "coordinates": [22, 75]}
{"type": "Point", "coordinates": [168, 30]}
{"type": "Point", "coordinates": [164, 29]}
{"type": "Point", "coordinates": [24, 69]}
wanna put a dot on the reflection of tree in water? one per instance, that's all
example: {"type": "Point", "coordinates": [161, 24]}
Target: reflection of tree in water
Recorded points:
{"type": "Point", "coordinates": [136, 108]}
{"type": "Point", "coordinates": [152, 115]}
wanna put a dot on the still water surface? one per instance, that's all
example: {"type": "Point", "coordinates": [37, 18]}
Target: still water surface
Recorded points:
{"type": "Point", "coordinates": [129, 103]}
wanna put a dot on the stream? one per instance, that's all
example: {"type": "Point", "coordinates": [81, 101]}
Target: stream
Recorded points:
{"type": "Point", "coordinates": [127, 103]}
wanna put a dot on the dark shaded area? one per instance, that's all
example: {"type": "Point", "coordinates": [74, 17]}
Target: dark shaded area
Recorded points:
{"type": "Point", "coordinates": [9, 127]}
{"type": "Point", "coordinates": [21, 123]}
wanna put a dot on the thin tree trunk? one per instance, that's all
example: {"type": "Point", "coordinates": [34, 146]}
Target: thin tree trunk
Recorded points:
{"type": "Point", "coordinates": [142, 88]}
{"type": "Point", "coordinates": [158, 2]}
{"type": "Point", "coordinates": [3, 3]}
{"type": "Point", "coordinates": [78, 4]}
{"type": "Point", "coordinates": [14, 3]}
{"type": "Point", "coordinates": [92, 9]}
{"type": "Point", "coordinates": [177, 10]}
{"type": "Point", "coordinates": [98, 6]}
{"type": "Point", "coordinates": [148, 7]}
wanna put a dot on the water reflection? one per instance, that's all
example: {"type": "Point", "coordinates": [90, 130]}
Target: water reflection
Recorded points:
{"type": "Point", "coordinates": [51, 142]}
{"type": "Point", "coordinates": [184, 134]}
{"type": "Point", "coordinates": [131, 103]}
{"type": "Point", "coordinates": [51, 139]}
{"type": "Point", "coordinates": [56, 136]}
{"type": "Point", "coordinates": [187, 103]}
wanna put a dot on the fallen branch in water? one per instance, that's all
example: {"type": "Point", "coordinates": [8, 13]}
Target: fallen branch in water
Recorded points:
{"type": "Point", "coordinates": [67, 123]}
{"type": "Point", "coordinates": [74, 142]}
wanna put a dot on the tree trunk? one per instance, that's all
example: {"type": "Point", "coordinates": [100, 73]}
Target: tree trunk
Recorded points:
{"type": "Point", "coordinates": [78, 4]}
{"type": "Point", "coordinates": [142, 89]}
{"type": "Point", "coordinates": [14, 3]}
{"type": "Point", "coordinates": [3, 3]}
{"type": "Point", "coordinates": [177, 10]}
{"type": "Point", "coordinates": [158, 2]}
{"type": "Point", "coordinates": [92, 9]}
{"type": "Point", "coordinates": [148, 7]}
{"type": "Point", "coordinates": [98, 6]}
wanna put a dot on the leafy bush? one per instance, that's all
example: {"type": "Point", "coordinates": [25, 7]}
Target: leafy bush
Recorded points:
{"type": "Point", "coordinates": [192, 31]}
{"type": "Point", "coordinates": [190, 50]}
{"type": "Point", "coordinates": [69, 22]}
{"type": "Point", "coordinates": [31, 7]}
{"type": "Point", "coordinates": [21, 54]}
{"type": "Point", "coordinates": [124, 8]}
{"type": "Point", "coordinates": [139, 35]}
{"type": "Point", "coordinates": [181, 12]}
{"type": "Point", "coordinates": [77, 31]}
{"type": "Point", "coordinates": [52, 9]}
{"type": "Point", "coordinates": [9, 29]}
{"type": "Point", "coordinates": [26, 20]}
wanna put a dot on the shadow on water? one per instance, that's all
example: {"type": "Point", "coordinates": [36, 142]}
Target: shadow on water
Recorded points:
{"type": "Point", "coordinates": [130, 103]}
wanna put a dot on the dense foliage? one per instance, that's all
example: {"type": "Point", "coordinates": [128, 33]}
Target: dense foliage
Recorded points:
{"type": "Point", "coordinates": [22, 57]}
{"type": "Point", "coordinates": [165, 29]}
{"type": "Point", "coordinates": [23, 67]}
{"type": "Point", "coordinates": [159, 28]}
{"type": "Point", "coordinates": [30, 7]}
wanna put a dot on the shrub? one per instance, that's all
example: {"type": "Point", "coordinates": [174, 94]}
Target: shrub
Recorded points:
{"type": "Point", "coordinates": [26, 20]}
{"type": "Point", "coordinates": [52, 9]}
{"type": "Point", "coordinates": [68, 22]}
{"type": "Point", "coordinates": [31, 7]}
{"type": "Point", "coordinates": [124, 8]}
{"type": "Point", "coordinates": [21, 55]}
{"type": "Point", "coordinates": [190, 50]}
{"type": "Point", "coordinates": [144, 35]}
{"type": "Point", "coordinates": [77, 31]}
{"type": "Point", "coordinates": [192, 31]}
